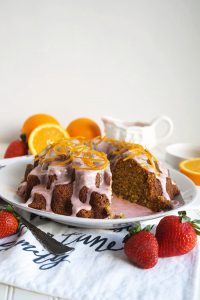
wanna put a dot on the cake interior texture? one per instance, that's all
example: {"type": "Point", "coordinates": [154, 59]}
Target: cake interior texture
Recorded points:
{"type": "Point", "coordinates": [77, 177]}
{"type": "Point", "coordinates": [137, 185]}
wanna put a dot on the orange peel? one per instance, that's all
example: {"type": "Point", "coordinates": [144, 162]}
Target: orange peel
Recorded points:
{"type": "Point", "coordinates": [73, 149]}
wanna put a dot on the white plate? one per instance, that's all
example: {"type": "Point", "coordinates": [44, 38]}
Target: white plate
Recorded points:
{"type": "Point", "coordinates": [11, 175]}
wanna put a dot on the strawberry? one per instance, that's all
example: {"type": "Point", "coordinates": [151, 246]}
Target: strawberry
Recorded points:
{"type": "Point", "coordinates": [141, 246]}
{"type": "Point", "coordinates": [8, 223]}
{"type": "Point", "coordinates": [176, 235]}
{"type": "Point", "coordinates": [16, 148]}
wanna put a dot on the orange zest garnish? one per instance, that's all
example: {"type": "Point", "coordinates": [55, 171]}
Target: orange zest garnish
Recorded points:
{"type": "Point", "coordinates": [75, 151]}
{"type": "Point", "coordinates": [80, 153]}
{"type": "Point", "coordinates": [132, 149]}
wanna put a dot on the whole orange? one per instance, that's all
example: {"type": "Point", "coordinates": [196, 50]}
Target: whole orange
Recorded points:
{"type": "Point", "coordinates": [33, 121]}
{"type": "Point", "coordinates": [83, 127]}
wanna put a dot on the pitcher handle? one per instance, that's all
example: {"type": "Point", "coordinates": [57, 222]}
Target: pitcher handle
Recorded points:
{"type": "Point", "coordinates": [169, 130]}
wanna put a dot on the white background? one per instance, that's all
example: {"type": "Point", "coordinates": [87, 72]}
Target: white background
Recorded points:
{"type": "Point", "coordinates": [131, 59]}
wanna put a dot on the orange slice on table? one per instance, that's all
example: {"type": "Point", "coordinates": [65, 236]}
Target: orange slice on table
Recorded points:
{"type": "Point", "coordinates": [84, 127]}
{"type": "Point", "coordinates": [44, 135]}
{"type": "Point", "coordinates": [191, 168]}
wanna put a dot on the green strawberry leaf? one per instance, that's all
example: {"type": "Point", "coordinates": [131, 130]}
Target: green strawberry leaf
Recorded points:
{"type": "Point", "coordinates": [196, 227]}
{"type": "Point", "coordinates": [197, 231]}
{"type": "Point", "coordinates": [196, 221]}
{"type": "Point", "coordinates": [9, 208]}
{"type": "Point", "coordinates": [23, 138]}
{"type": "Point", "coordinates": [148, 227]}
{"type": "Point", "coordinates": [182, 213]}
{"type": "Point", "coordinates": [136, 227]}
{"type": "Point", "coordinates": [183, 217]}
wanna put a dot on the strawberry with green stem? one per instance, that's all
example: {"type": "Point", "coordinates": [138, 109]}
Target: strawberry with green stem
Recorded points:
{"type": "Point", "coordinates": [177, 235]}
{"type": "Point", "coordinates": [141, 246]}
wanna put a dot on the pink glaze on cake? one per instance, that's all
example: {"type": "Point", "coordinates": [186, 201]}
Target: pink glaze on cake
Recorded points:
{"type": "Point", "coordinates": [64, 176]}
{"type": "Point", "coordinates": [76, 174]}
{"type": "Point", "coordinates": [128, 209]}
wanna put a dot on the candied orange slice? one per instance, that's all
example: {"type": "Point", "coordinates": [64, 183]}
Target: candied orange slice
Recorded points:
{"type": "Point", "coordinates": [45, 135]}
{"type": "Point", "coordinates": [191, 168]}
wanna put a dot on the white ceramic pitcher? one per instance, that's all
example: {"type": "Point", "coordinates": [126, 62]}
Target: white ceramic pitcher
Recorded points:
{"type": "Point", "coordinates": [145, 134]}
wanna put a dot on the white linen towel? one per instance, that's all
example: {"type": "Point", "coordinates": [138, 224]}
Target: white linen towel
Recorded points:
{"type": "Point", "coordinates": [97, 269]}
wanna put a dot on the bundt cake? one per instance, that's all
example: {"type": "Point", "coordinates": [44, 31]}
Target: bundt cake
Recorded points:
{"type": "Point", "coordinates": [76, 177]}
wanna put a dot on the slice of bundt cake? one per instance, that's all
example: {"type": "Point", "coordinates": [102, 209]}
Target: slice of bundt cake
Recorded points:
{"type": "Point", "coordinates": [137, 175]}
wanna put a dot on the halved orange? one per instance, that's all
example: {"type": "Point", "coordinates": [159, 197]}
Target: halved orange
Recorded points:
{"type": "Point", "coordinates": [83, 127]}
{"type": "Point", "coordinates": [191, 168]}
{"type": "Point", "coordinates": [44, 135]}
{"type": "Point", "coordinates": [35, 120]}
